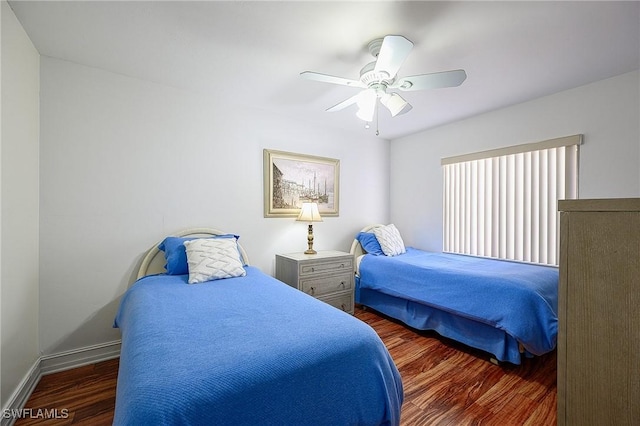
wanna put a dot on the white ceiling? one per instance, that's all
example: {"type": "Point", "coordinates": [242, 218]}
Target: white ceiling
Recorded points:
{"type": "Point", "coordinates": [250, 54]}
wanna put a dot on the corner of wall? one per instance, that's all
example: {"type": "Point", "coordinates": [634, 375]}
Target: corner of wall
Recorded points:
{"type": "Point", "coordinates": [19, 207]}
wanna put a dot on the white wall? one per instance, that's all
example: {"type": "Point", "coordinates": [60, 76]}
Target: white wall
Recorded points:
{"type": "Point", "coordinates": [19, 201]}
{"type": "Point", "coordinates": [606, 112]}
{"type": "Point", "coordinates": [125, 162]}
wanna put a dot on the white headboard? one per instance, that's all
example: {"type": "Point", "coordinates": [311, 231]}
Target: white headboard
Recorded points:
{"type": "Point", "coordinates": [154, 261]}
{"type": "Point", "coordinates": [356, 248]}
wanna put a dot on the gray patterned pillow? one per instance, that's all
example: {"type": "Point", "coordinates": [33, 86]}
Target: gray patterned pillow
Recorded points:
{"type": "Point", "coordinates": [390, 240]}
{"type": "Point", "coordinates": [213, 259]}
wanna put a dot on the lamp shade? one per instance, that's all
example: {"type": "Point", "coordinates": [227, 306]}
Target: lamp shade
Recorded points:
{"type": "Point", "coordinates": [395, 103]}
{"type": "Point", "coordinates": [309, 213]}
{"type": "Point", "coordinates": [367, 105]}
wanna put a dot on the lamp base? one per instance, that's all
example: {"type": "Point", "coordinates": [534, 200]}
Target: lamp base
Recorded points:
{"type": "Point", "coordinates": [310, 250]}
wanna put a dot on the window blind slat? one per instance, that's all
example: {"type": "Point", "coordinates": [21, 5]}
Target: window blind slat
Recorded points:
{"type": "Point", "coordinates": [495, 216]}
{"type": "Point", "coordinates": [510, 200]}
{"type": "Point", "coordinates": [526, 206]}
{"type": "Point", "coordinates": [544, 193]}
{"type": "Point", "coordinates": [467, 207]}
{"type": "Point", "coordinates": [535, 208]}
{"type": "Point", "coordinates": [480, 209]}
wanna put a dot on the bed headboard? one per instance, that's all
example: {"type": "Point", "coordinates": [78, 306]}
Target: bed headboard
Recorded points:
{"type": "Point", "coordinates": [154, 261]}
{"type": "Point", "coordinates": [356, 248]}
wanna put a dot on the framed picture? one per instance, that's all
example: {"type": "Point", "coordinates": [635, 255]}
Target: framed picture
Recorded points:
{"type": "Point", "coordinates": [291, 179]}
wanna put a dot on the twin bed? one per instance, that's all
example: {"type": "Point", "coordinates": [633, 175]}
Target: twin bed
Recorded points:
{"type": "Point", "coordinates": [244, 350]}
{"type": "Point", "coordinates": [507, 309]}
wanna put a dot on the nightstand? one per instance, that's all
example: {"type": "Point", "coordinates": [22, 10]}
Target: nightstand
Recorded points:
{"type": "Point", "coordinates": [327, 276]}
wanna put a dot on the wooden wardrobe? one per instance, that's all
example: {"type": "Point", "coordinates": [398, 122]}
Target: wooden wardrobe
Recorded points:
{"type": "Point", "coordinates": [599, 313]}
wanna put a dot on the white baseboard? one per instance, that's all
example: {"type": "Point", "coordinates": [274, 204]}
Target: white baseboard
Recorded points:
{"type": "Point", "coordinates": [79, 357]}
{"type": "Point", "coordinates": [47, 364]}
{"type": "Point", "coordinates": [20, 396]}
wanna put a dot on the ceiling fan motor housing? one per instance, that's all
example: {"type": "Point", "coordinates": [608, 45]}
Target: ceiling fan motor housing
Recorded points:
{"type": "Point", "coordinates": [369, 76]}
{"type": "Point", "coordinates": [374, 46]}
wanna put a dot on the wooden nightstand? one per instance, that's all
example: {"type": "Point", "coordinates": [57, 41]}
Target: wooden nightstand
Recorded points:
{"type": "Point", "coordinates": [327, 276]}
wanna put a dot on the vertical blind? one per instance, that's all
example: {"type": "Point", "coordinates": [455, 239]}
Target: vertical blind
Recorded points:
{"type": "Point", "coordinates": [503, 203]}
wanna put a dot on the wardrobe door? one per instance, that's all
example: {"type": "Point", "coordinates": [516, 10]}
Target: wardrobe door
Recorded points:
{"type": "Point", "coordinates": [599, 340]}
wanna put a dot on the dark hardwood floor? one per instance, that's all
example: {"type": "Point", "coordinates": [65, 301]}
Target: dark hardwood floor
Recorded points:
{"type": "Point", "coordinates": [445, 383]}
{"type": "Point", "coordinates": [88, 394]}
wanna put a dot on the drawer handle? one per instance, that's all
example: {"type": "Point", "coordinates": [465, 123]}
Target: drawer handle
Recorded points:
{"type": "Point", "coordinates": [313, 269]}
{"type": "Point", "coordinates": [344, 308]}
{"type": "Point", "coordinates": [313, 290]}
{"type": "Point", "coordinates": [342, 284]}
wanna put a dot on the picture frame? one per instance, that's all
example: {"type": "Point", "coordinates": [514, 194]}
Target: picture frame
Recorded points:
{"type": "Point", "coordinates": [291, 179]}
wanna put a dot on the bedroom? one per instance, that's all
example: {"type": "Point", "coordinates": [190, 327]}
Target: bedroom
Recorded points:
{"type": "Point", "coordinates": [102, 162]}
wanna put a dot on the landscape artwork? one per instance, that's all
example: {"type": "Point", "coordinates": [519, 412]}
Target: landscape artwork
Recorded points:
{"type": "Point", "coordinates": [291, 179]}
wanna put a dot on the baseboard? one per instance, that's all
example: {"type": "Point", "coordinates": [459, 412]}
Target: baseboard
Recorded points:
{"type": "Point", "coordinates": [79, 357]}
{"type": "Point", "coordinates": [22, 393]}
{"type": "Point", "coordinates": [47, 364]}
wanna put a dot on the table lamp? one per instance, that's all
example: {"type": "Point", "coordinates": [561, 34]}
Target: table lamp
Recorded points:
{"type": "Point", "coordinates": [309, 213]}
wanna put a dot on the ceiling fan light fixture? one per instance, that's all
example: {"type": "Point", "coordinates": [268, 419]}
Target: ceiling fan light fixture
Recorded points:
{"type": "Point", "coordinates": [395, 104]}
{"type": "Point", "coordinates": [366, 105]}
{"type": "Point", "coordinates": [366, 114]}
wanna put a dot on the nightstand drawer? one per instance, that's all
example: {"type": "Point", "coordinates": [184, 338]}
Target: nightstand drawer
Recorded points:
{"type": "Point", "coordinates": [326, 284]}
{"type": "Point", "coordinates": [344, 264]}
{"type": "Point", "coordinates": [341, 301]}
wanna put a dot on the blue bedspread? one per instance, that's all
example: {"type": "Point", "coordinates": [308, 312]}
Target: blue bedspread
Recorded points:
{"type": "Point", "coordinates": [248, 351]}
{"type": "Point", "coordinates": [520, 299]}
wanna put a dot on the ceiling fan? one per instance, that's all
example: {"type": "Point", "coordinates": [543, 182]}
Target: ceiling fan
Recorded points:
{"type": "Point", "coordinates": [377, 78]}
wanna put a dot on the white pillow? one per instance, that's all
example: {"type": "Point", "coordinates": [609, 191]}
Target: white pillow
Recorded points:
{"type": "Point", "coordinates": [213, 259]}
{"type": "Point", "coordinates": [390, 240]}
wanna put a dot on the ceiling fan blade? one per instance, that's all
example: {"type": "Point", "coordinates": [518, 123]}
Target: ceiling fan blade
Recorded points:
{"type": "Point", "coordinates": [310, 75]}
{"type": "Point", "coordinates": [347, 102]}
{"type": "Point", "coordinates": [393, 52]}
{"type": "Point", "coordinates": [435, 80]}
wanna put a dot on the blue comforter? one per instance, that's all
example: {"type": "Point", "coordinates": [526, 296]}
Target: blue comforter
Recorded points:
{"type": "Point", "coordinates": [247, 351]}
{"type": "Point", "coordinates": [520, 299]}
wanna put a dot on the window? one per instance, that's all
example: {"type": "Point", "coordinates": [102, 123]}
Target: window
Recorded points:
{"type": "Point", "coordinates": [503, 203]}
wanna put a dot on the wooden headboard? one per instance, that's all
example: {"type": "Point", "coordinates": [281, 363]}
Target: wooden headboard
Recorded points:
{"type": "Point", "coordinates": [154, 261]}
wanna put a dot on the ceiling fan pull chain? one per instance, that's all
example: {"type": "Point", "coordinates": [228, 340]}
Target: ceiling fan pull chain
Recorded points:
{"type": "Point", "coordinates": [377, 117]}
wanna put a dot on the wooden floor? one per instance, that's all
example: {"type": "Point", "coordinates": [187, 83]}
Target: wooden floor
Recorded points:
{"type": "Point", "coordinates": [445, 383]}
{"type": "Point", "coordinates": [88, 394]}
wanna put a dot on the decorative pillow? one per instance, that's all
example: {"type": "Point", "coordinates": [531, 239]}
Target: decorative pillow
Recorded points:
{"type": "Point", "coordinates": [390, 240]}
{"type": "Point", "coordinates": [175, 255]}
{"type": "Point", "coordinates": [370, 243]}
{"type": "Point", "coordinates": [213, 259]}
